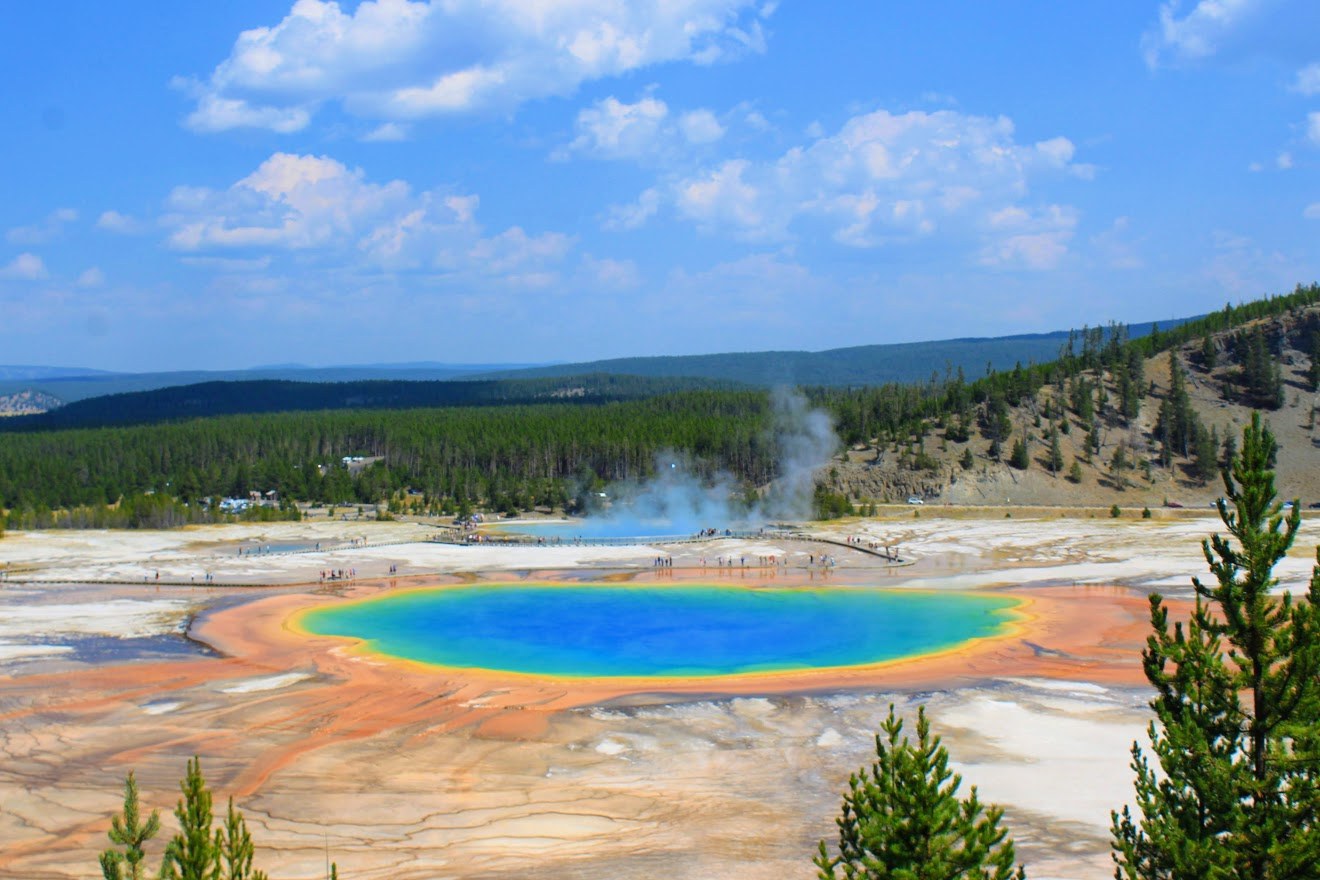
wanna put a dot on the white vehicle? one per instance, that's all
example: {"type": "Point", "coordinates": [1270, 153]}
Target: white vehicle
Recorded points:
{"type": "Point", "coordinates": [916, 499]}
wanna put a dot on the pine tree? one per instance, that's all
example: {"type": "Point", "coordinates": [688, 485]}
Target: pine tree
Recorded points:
{"type": "Point", "coordinates": [235, 849]}
{"type": "Point", "coordinates": [1075, 472]}
{"type": "Point", "coordinates": [1259, 375]}
{"type": "Point", "coordinates": [128, 831]}
{"type": "Point", "coordinates": [193, 853]}
{"type": "Point", "coordinates": [1056, 453]}
{"type": "Point", "coordinates": [1020, 458]}
{"type": "Point", "coordinates": [903, 818]}
{"type": "Point", "coordinates": [1229, 453]}
{"type": "Point", "coordinates": [1209, 354]}
{"type": "Point", "coordinates": [1205, 463]}
{"type": "Point", "coordinates": [1237, 791]}
{"type": "Point", "coordinates": [1119, 465]}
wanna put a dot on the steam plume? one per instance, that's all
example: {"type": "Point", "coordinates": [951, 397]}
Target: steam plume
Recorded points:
{"type": "Point", "coordinates": [678, 500]}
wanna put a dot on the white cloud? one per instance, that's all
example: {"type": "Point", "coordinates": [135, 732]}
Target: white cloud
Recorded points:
{"type": "Point", "coordinates": [25, 267]}
{"type": "Point", "coordinates": [1199, 33]}
{"type": "Point", "coordinates": [217, 113]}
{"type": "Point", "coordinates": [49, 229]}
{"type": "Point", "coordinates": [1312, 211]}
{"type": "Point", "coordinates": [1283, 161]}
{"type": "Point", "coordinates": [1033, 240]}
{"type": "Point", "coordinates": [290, 201]}
{"type": "Point", "coordinates": [724, 195]}
{"type": "Point", "coordinates": [388, 132]}
{"type": "Point", "coordinates": [1308, 80]}
{"type": "Point", "coordinates": [611, 129]}
{"type": "Point", "coordinates": [113, 221]}
{"type": "Point", "coordinates": [398, 60]}
{"type": "Point", "coordinates": [644, 131]}
{"type": "Point", "coordinates": [1313, 127]}
{"type": "Point", "coordinates": [92, 277]}
{"type": "Point", "coordinates": [635, 214]}
{"type": "Point", "coordinates": [890, 177]}
{"type": "Point", "coordinates": [1280, 29]}
{"type": "Point", "coordinates": [513, 250]}
{"type": "Point", "coordinates": [318, 207]}
{"type": "Point", "coordinates": [701, 127]}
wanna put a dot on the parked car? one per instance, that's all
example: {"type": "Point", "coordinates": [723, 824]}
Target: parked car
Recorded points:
{"type": "Point", "coordinates": [916, 499]}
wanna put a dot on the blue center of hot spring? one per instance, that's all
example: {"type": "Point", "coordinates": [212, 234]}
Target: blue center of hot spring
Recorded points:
{"type": "Point", "coordinates": [668, 631]}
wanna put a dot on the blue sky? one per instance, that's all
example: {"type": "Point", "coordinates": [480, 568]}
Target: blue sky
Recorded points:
{"type": "Point", "coordinates": [228, 184]}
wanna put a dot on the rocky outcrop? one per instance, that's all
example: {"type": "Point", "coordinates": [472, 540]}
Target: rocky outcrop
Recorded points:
{"type": "Point", "coordinates": [28, 402]}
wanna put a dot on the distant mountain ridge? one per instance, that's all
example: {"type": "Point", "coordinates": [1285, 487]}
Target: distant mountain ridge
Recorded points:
{"type": "Point", "coordinates": [22, 373]}
{"type": "Point", "coordinates": [879, 364]}
{"type": "Point", "coordinates": [902, 362]}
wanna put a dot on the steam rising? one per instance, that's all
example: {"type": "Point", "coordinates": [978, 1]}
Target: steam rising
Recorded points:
{"type": "Point", "coordinates": [678, 500]}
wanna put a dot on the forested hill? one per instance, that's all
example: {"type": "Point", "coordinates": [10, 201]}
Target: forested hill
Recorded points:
{"type": "Point", "coordinates": [859, 365]}
{"type": "Point", "coordinates": [69, 383]}
{"type": "Point", "coordinates": [232, 398]}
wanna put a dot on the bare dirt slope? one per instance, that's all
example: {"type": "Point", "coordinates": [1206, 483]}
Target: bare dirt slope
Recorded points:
{"type": "Point", "coordinates": [881, 473]}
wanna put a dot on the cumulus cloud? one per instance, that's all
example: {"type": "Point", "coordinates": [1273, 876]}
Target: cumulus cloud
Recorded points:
{"type": "Point", "coordinates": [890, 177]}
{"type": "Point", "coordinates": [318, 206]}
{"type": "Point", "coordinates": [1313, 127]}
{"type": "Point", "coordinates": [113, 221]}
{"type": "Point", "coordinates": [1032, 239]}
{"type": "Point", "coordinates": [399, 60]}
{"type": "Point", "coordinates": [1197, 34]}
{"type": "Point", "coordinates": [1189, 33]}
{"type": "Point", "coordinates": [24, 267]}
{"type": "Point", "coordinates": [387, 132]}
{"type": "Point", "coordinates": [49, 229]}
{"type": "Point", "coordinates": [612, 129]}
{"type": "Point", "coordinates": [634, 214]}
{"type": "Point", "coordinates": [644, 131]}
{"type": "Point", "coordinates": [217, 113]}
{"type": "Point", "coordinates": [701, 127]}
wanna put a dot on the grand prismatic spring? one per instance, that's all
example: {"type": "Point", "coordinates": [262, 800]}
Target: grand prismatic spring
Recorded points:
{"type": "Point", "coordinates": [519, 761]}
{"type": "Point", "coordinates": [665, 631]}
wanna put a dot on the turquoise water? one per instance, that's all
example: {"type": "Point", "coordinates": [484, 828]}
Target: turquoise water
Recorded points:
{"type": "Point", "coordinates": [685, 631]}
